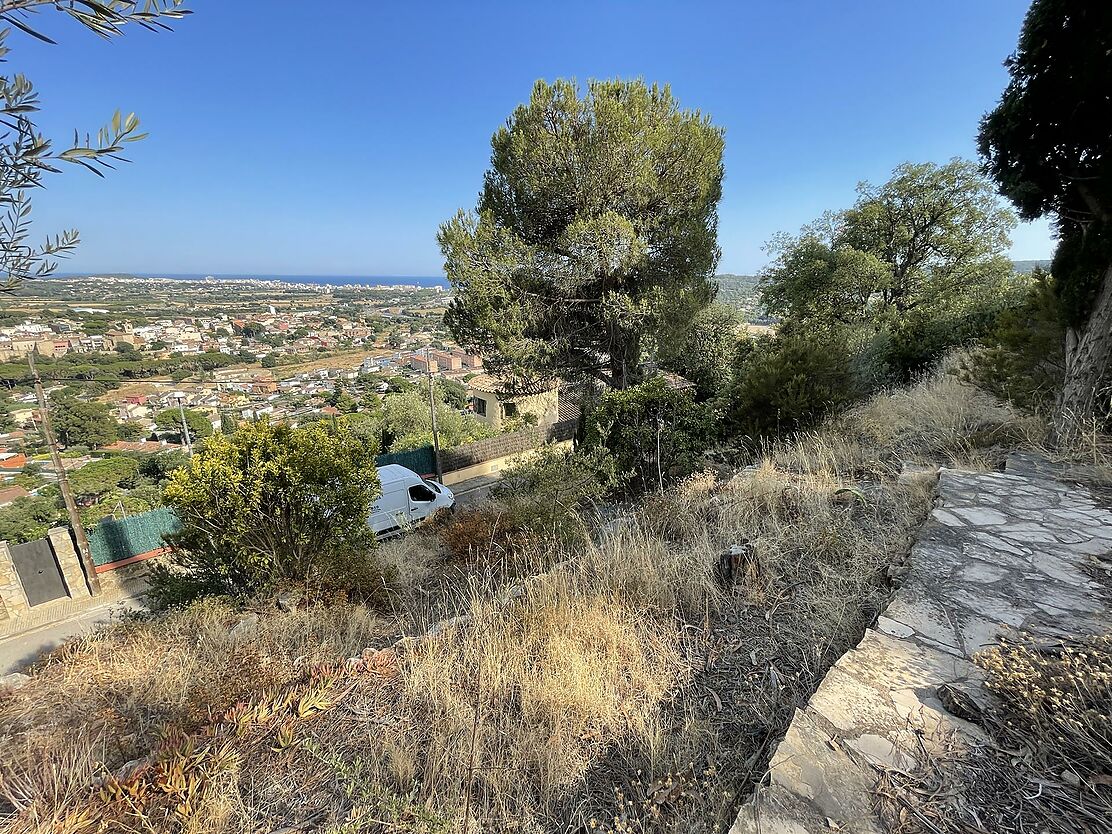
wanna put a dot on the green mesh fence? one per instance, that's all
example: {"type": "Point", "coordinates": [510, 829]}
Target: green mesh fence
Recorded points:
{"type": "Point", "coordinates": [420, 460]}
{"type": "Point", "coordinates": [116, 539]}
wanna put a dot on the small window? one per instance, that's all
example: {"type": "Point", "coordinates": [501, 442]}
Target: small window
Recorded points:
{"type": "Point", "coordinates": [480, 406]}
{"type": "Point", "coordinates": [421, 494]}
{"type": "Point", "coordinates": [510, 409]}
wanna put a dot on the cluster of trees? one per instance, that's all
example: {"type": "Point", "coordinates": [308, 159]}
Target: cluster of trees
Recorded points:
{"type": "Point", "coordinates": [98, 372]}
{"type": "Point", "coordinates": [102, 488]}
{"type": "Point", "coordinates": [590, 255]}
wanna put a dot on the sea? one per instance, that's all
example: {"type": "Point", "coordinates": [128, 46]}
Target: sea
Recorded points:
{"type": "Point", "coordinates": [324, 280]}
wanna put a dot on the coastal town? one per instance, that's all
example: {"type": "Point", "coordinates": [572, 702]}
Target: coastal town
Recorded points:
{"type": "Point", "coordinates": [139, 368]}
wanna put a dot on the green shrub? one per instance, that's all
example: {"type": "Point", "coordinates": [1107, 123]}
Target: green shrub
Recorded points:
{"type": "Point", "coordinates": [790, 381]}
{"type": "Point", "coordinates": [654, 432]}
{"type": "Point", "coordinates": [271, 505]}
{"type": "Point", "coordinates": [1022, 359]}
{"type": "Point", "coordinates": [545, 491]}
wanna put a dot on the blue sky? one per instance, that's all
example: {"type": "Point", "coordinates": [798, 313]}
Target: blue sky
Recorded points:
{"type": "Point", "coordinates": [286, 140]}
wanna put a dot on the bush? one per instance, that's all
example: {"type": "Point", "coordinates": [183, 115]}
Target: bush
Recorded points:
{"type": "Point", "coordinates": [654, 433]}
{"type": "Point", "coordinates": [544, 491]}
{"type": "Point", "coordinates": [1022, 359]}
{"type": "Point", "coordinates": [1057, 701]}
{"type": "Point", "coordinates": [791, 381]}
{"type": "Point", "coordinates": [270, 505]}
{"type": "Point", "coordinates": [481, 534]}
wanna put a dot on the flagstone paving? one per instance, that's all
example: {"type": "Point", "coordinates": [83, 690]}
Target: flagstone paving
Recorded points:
{"type": "Point", "coordinates": [1019, 550]}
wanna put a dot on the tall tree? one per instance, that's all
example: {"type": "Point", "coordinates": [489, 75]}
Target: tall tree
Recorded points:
{"type": "Point", "coordinates": [1048, 144]}
{"type": "Point", "coordinates": [26, 155]}
{"type": "Point", "coordinates": [595, 236]}
{"type": "Point", "coordinates": [84, 423]}
{"type": "Point", "coordinates": [932, 232]}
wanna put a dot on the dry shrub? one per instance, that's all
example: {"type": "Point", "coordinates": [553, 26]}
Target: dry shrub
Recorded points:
{"type": "Point", "coordinates": [939, 419]}
{"type": "Point", "coordinates": [484, 534]}
{"type": "Point", "coordinates": [106, 698]}
{"type": "Point", "coordinates": [1057, 701]}
{"type": "Point", "coordinates": [1048, 767]}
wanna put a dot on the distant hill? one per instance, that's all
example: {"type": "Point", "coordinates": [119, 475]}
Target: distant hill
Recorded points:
{"type": "Point", "coordinates": [1024, 267]}
{"type": "Point", "coordinates": [741, 291]}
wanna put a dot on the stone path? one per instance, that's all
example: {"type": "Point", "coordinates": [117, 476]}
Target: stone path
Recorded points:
{"type": "Point", "coordinates": [1002, 551]}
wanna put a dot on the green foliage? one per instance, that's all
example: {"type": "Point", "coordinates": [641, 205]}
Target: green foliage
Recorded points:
{"type": "Point", "coordinates": [161, 466]}
{"type": "Point", "coordinates": [105, 475]}
{"type": "Point", "coordinates": [130, 431]}
{"type": "Point", "coordinates": [1082, 257]}
{"type": "Point", "coordinates": [141, 499]}
{"type": "Point", "coordinates": [27, 519]}
{"type": "Point", "coordinates": [708, 352]}
{"type": "Point", "coordinates": [544, 492]}
{"type": "Point", "coordinates": [125, 348]}
{"type": "Point", "coordinates": [595, 234]}
{"type": "Point", "coordinates": [790, 381]}
{"type": "Point", "coordinates": [407, 423]}
{"type": "Point", "coordinates": [654, 433]}
{"type": "Point", "coordinates": [28, 155]}
{"type": "Point", "coordinates": [921, 258]}
{"type": "Point", "coordinates": [341, 399]}
{"type": "Point", "coordinates": [1046, 141]}
{"type": "Point", "coordinates": [1022, 359]}
{"type": "Point", "coordinates": [453, 393]}
{"type": "Point", "coordinates": [269, 505]}
{"type": "Point", "coordinates": [83, 423]}
{"type": "Point", "coordinates": [1046, 144]}
{"type": "Point", "coordinates": [109, 369]}
{"type": "Point", "coordinates": [197, 422]}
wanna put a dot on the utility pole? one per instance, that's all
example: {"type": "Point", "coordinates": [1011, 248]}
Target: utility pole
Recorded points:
{"type": "Point", "coordinates": [184, 425]}
{"type": "Point", "coordinates": [432, 411]}
{"type": "Point", "coordinates": [63, 484]}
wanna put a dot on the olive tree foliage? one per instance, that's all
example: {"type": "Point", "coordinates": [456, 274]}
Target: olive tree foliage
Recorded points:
{"type": "Point", "coordinates": [595, 235]}
{"type": "Point", "coordinates": [269, 505]}
{"type": "Point", "coordinates": [932, 232]}
{"type": "Point", "coordinates": [1048, 145]}
{"type": "Point", "coordinates": [26, 156]}
{"type": "Point", "coordinates": [916, 259]}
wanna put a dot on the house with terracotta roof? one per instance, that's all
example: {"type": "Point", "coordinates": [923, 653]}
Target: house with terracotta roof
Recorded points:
{"type": "Point", "coordinates": [11, 461]}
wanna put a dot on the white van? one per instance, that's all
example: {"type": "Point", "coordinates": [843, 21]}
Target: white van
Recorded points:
{"type": "Point", "coordinates": [407, 499]}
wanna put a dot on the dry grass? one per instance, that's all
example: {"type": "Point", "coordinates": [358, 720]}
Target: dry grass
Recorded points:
{"type": "Point", "coordinates": [105, 699]}
{"type": "Point", "coordinates": [939, 420]}
{"type": "Point", "coordinates": [620, 686]}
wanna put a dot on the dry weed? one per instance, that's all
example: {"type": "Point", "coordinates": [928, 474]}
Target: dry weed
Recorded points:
{"type": "Point", "coordinates": [1049, 764]}
{"type": "Point", "coordinates": [104, 699]}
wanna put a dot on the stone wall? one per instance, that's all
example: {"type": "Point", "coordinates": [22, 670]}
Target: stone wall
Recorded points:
{"type": "Point", "coordinates": [13, 602]}
{"type": "Point", "coordinates": [61, 542]}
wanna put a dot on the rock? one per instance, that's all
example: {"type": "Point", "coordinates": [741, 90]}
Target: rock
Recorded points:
{"type": "Point", "coordinates": [16, 680]}
{"type": "Point", "coordinates": [917, 473]}
{"type": "Point", "coordinates": [960, 703]}
{"type": "Point", "coordinates": [246, 628]}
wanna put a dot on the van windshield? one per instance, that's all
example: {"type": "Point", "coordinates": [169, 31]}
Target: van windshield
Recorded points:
{"type": "Point", "coordinates": [435, 487]}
